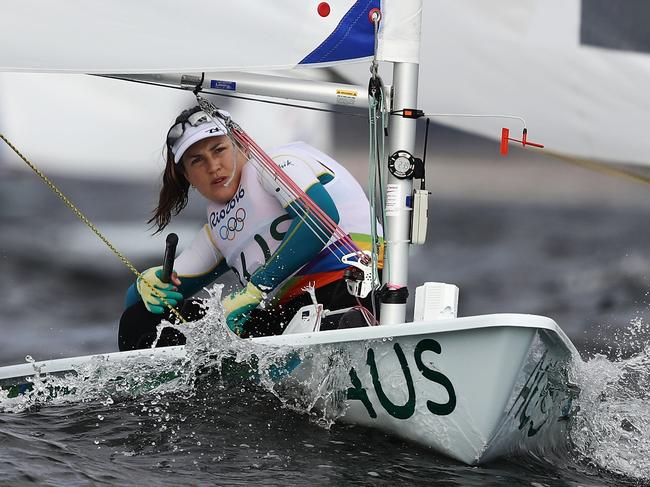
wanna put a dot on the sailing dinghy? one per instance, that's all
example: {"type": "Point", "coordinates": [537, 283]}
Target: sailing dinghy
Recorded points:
{"type": "Point", "coordinates": [474, 388]}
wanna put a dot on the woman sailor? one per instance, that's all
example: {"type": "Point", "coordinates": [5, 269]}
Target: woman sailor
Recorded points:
{"type": "Point", "coordinates": [254, 228]}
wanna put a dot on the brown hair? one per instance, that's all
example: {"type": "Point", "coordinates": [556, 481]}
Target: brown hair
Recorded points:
{"type": "Point", "coordinates": [173, 193]}
{"type": "Point", "coordinates": [175, 186]}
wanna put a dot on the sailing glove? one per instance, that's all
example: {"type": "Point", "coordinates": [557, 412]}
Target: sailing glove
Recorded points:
{"type": "Point", "coordinates": [155, 293]}
{"type": "Point", "coordinates": [238, 306]}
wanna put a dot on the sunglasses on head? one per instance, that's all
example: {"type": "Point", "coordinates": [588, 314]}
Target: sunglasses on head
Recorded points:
{"type": "Point", "coordinates": [194, 119]}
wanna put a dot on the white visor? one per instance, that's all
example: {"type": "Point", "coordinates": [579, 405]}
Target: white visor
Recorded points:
{"type": "Point", "coordinates": [194, 134]}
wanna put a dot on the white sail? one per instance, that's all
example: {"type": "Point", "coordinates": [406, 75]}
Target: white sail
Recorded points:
{"type": "Point", "coordinates": [574, 70]}
{"type": "Point", "coordinates": [121, 36]}
{"type": "Point", "coordinates": [96, 127]}
{"type": "Point", "coordinates": [577, 71]}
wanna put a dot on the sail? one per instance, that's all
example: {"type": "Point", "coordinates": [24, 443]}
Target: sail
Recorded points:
{"type": "Point", "coordinates": [96, 127]}
{"type": "Point", "coordinates": [578, 71]}
{"type": "Point", "coordinates": [148, 36]}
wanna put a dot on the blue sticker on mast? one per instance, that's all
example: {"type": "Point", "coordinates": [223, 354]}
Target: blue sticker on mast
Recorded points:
{"type": "Point", "coordinates": [217, 84]}
{"type": "Point", "coordinates": [353, 37]}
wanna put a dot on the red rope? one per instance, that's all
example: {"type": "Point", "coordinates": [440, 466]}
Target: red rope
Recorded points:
{"type": "Point", "coordinates": [343, 239]}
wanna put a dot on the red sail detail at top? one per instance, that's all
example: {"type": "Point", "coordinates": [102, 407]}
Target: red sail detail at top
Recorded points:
{"type": "Point", "coordinates": [324, 9]}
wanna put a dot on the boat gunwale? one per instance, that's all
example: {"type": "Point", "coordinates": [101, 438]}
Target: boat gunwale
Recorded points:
{"type": "Point", "coordinates": [467, 323]}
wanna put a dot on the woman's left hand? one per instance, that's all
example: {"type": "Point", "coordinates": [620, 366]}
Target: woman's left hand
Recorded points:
{"type": "Point", "coordinates": [238, 306]}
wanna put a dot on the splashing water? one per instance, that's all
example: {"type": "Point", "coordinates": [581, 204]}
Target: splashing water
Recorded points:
{"type": "Point", "coordinates": [612, 428]}
{"type": "Point", "coordinates": [610, 431]}
{"type": "Point", "coordinates": [212, 352]}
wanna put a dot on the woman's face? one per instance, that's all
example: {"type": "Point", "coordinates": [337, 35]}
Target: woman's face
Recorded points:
{"type": "Point", "coordinates": [209, 163]}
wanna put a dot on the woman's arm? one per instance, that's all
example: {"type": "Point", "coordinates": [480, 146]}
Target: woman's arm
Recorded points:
{"type": "Point", "coordinates": [304, 239]}
{"type": "Point", "coordinates": [198, 265]}
{"type": "Point", "coordinates": [299, 245]}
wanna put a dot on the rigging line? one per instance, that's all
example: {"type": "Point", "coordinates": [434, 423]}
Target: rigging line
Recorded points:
{"type": "Point", "coordinates": [317, 227]}
{"type": "Point", "coordinates": [377, 111]}
{"type": "Point", "coordinates": [242, 139]}
{"type": "Point", "coordinates": [578, 161]}
{"type": "Point", "coordinates": [92, 227]}
{"type": "Point", "coordinates": [600, 167]}
{"type": "Point", "coordinates": [307, 218]}
{"type": "Point", "coordinates": [375, 100]}
{"type": "Point", "coordinates": [342, 244]}
{"type": "Point", "coordinates": [321, 233]}
{"type": "Point", "coordinates": [372, 191]}
{"type": "Point", "coordinates": [331, 248]}
{"type": "Point", "coordinates": [292, 105]}
{"type": "Point", "coordinates": [248, 142]}
{"type": "Point", "coordinates": [294, 198]}
{"type": "Point", "coordinates": [245, 140]}
{"type": "Point", "coordinates": [324, 237]}
{"type": "Point", "coordinates": [295, 192]}
{"type": "Point", "coordinates": [467, 115]}
{"type": "Point", "coordinates": [240, 97]}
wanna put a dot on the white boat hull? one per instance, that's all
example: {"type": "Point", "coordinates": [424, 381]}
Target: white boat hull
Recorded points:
{"type": "Point", "coordinates": [473, 388]}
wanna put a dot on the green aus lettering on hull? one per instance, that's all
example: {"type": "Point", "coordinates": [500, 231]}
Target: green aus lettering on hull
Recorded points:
{"type": "Point", "coordinates": [538, 396]}
{"type": "Point", "coordinates": [399, 412]}
{"type": "Point", "coordinates": [358, 392]}
{"type": "Point", "coordinates": [434, 376]}
{"type": "Point", "coordinates": [405, 411]}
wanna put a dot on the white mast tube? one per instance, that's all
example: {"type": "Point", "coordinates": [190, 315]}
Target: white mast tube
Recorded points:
{"type": "Point", "coordinates": [401, 136]}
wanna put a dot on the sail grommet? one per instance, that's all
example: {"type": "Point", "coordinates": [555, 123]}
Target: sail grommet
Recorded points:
{"type": "Point", "coordinates": [374, 15]}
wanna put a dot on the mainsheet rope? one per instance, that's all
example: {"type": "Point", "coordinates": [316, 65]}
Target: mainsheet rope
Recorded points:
{"type": "Point", "coordinates": [375, 158]}
{"type": "Point", "coordinates": [376, 153]}
{"type": "Point", "coordinates": [93, 228]}
{"type": "Point", "coordinates": [314, 217]}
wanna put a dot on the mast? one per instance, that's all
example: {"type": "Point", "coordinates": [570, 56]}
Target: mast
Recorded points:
{"type": "Point", "coordinates": [401, 137]}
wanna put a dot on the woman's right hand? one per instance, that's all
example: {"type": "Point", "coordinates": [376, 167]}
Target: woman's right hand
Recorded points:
{"type": "Point", "coordinates": [156, 294]}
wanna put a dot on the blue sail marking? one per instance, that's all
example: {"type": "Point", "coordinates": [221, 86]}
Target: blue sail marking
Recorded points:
{"type": "Point", "coordinates": [352, 38]}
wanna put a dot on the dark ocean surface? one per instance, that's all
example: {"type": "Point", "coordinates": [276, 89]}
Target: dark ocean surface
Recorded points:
{"type": "Point", "coordinates": [579, 253]}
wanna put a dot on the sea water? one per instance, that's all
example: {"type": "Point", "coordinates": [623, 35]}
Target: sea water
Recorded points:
{"type": "Point", "coordinates": [114, 423]}
{"type": "Point", "coordinates": [585, 267]}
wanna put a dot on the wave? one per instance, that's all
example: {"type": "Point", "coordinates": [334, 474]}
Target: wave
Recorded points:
{"type": "Point", "coordinates": [611, 429]}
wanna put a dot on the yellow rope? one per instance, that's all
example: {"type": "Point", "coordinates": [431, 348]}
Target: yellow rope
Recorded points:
{"type": "Point", "coordinates": [90, 225]}
{"type": "Point", "coordinates": [600, 167]}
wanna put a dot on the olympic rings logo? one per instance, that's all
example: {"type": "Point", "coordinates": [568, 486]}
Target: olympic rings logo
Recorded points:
{"type": "Point", "coordinates": [233, 225]}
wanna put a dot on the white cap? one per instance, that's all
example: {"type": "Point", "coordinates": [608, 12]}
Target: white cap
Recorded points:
{"type": "Point", "coordinates": [194, 134]}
